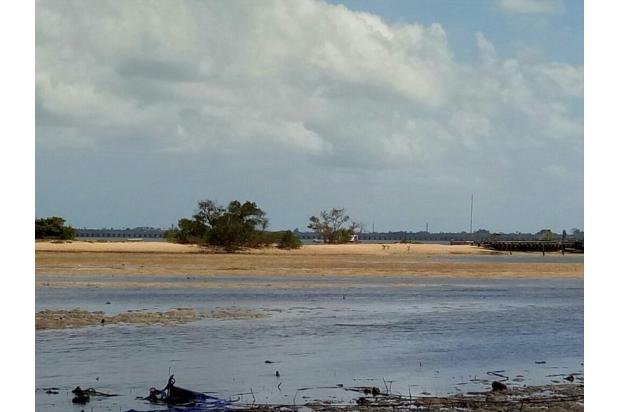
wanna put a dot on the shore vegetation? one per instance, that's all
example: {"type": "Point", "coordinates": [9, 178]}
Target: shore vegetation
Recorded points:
{"type": "Point", "coordinates": [239, 225]}
{"type": "Point", "coordinates": [53, 228]}
{"type": "Point", "coordinates": [333, 227]}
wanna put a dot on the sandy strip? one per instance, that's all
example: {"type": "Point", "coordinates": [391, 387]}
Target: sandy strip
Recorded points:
{"type": "Point", "coordinates": [75, 318]}
{"type": "Point", "coordinates": [318, 249]}
{"type": "Point", "coordinates": [60, 319]}
{"type": "Point", "coordinates": [283, 283]}
{"type": "Point", "coordinates": [159, 258]}
{"type": "Point", "coordinates": [120, 246]}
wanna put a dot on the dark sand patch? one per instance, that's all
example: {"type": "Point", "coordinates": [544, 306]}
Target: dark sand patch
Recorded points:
{"type": "Point", "coordinates": [76, 318]}
{"type": "Point", "coordinates": [235, 313]}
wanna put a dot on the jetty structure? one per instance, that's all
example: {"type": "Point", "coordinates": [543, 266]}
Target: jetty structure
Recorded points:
{"type": "Point", "coordinates": [571, 246]}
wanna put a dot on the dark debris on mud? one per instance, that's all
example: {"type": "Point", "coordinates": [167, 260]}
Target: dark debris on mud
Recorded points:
{"type": "Point", "coordinates": [548, 398]}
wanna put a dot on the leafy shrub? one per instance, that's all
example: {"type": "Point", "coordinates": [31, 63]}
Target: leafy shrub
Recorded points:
{"type": "Point", "coordinates": [52, 228]}
{"type": "Point", "coordinates": [289, 241]}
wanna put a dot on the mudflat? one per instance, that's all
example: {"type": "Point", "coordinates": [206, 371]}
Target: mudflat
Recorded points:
{"type": "Point", "coordinates": [75, 318]}
{"type": "Point", "coordinates": [161, 258]}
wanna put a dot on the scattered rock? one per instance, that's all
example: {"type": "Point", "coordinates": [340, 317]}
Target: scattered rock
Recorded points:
{"type": "Point", "coordinates": [570, 378]}
{"type": "Point", "coordinates": [555, 398]}
{"type": "Point", "coordinates": [371, 391]}
{"type": "Point", "coordinates": [81, 397]}
{"type": "Point", "coordinates": [498, 386]}
{"type": "Point", "coordinates": [362, 401]}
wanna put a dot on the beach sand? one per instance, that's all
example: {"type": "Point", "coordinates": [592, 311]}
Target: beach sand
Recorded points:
{"type": "Point", "coordinates": [160, 258]}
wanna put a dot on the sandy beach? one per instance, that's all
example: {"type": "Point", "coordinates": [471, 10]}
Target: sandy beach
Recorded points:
{"type": "Point", "coordinates": [160, 258]}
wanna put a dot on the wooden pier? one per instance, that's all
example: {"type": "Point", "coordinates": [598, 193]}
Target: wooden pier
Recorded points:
{"type": "Point", "coordinates": [534, 245]}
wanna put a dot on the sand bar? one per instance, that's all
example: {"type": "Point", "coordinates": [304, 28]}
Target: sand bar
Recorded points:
{"type": "Point", "coordinates": [160, 258]}
{"type": "Point", "coordinates": [76, 318]}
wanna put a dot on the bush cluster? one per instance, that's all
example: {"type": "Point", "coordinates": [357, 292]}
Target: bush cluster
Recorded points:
{"type": "Point", "coordinates": [52, 228]}
{"type": "Point", "coordinates": [235, 226]}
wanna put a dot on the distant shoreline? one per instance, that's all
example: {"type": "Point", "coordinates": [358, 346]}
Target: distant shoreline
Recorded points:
{"type": "Point", "coordinates": [162, 258]}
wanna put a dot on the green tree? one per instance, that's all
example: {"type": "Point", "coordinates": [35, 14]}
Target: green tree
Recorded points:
{"type": "Point", "coordinates": [289, 241]}
{"type": "Point", "coordinates": [208, 212]}
{"type": "Point", "coordinates": [191, 231]}
{"type": "Point", "coordinates": [331, 226]}
{"type": "Point", "coordinates": [238, 225]}
{"type": "Point", "coordinates": [52, 228]}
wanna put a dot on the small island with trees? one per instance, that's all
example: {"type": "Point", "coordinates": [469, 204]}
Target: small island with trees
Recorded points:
{"type": "Point", "coordinates": [243, 225]}
{"type": "Point", "coordinates": [239, 225]}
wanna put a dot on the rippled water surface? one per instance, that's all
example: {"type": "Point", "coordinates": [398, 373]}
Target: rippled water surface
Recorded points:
{"type": "Point", "coordinates": [410, 335]}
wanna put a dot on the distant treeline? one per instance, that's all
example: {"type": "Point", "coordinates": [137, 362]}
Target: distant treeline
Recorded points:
{"type": "Point", "coordinates": [244, 225]}
{"type": "Point", "coordinates": [424, 236]}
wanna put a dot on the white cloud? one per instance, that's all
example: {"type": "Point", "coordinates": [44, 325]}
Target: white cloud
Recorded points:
{"type": "Point", "coordinates": [531, 6]}
{"type": "Point", "coordinates": [486, 49]}
{"type": "Point", "coordinates": [562, 79]}
{"type": "Point", "coordinates": [306, 79]}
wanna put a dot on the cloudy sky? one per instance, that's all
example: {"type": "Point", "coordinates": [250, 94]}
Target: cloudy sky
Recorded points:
{"type": "Point", "coordinates": [395, 110]}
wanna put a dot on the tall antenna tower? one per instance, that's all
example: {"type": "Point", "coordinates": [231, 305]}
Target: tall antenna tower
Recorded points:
{"type": "Point", "coordinates": [471, 209]}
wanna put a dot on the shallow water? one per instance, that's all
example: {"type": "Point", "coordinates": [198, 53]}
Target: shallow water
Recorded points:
{"type": "Point", "coordinates": [433, 335]}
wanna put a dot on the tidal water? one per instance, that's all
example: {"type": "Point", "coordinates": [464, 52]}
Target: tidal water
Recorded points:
{"type": "Point", "coordinates": [410, 335]}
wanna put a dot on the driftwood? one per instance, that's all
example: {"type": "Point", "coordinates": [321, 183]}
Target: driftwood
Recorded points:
{"type": "Point", "coordinates": [82, 396]}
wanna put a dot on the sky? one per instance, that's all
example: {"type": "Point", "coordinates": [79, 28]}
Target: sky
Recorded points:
{"type": "Point", "coordinates": [397, 111]}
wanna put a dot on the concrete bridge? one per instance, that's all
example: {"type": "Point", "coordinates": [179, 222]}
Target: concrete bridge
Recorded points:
{"type": "Point", "coordinates": [146, 234]}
